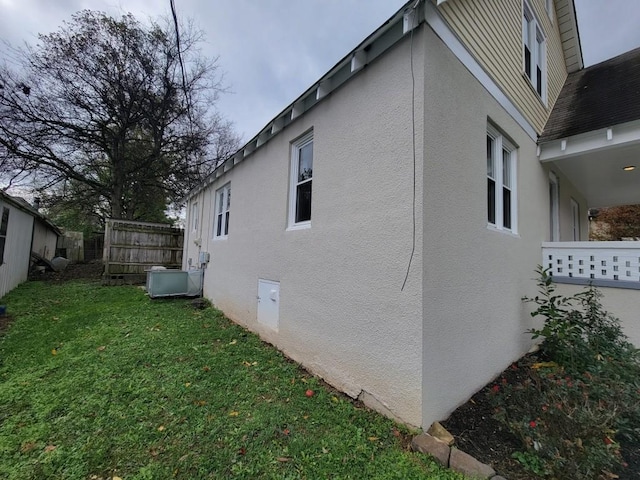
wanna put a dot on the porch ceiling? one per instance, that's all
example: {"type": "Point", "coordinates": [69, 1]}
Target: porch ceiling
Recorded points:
{"type": "Point", "coordinates": [594, 163]}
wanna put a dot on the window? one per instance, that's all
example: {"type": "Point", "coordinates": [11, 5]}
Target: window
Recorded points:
{"type": "Point", "coordinates": [501, 182]}
{"type": "Point", "coordinates": [223, 202]}
{"type": "Point", "coordinates": [301, 180]}
{"type": "Point", "coordinates": [554, 207]}
{"type": "Point", "coordinates": [534, 51]}
{"type": "Point", "coordinates": [575, 220]}
{"type": "Point", "coordinates": [194, 217]}
{"type": "Point", "coordinates": [3, 232]}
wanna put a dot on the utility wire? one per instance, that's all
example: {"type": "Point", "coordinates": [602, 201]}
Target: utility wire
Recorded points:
{"type": "Point", "coordinates": [413, 144]}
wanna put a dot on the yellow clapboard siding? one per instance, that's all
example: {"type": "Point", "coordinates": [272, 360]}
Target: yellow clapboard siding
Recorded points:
{"type": "Point", "coordinates": [492, 31]}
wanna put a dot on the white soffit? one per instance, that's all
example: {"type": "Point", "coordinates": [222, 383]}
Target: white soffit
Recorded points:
{"type": "Point", "coordinates": [594, 161]}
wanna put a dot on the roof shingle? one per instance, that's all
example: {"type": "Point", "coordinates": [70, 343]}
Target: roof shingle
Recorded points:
{"type": "Point", "coordinates": [597, 97]}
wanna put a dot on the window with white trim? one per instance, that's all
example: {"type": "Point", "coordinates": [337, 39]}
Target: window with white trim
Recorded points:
{"type": "Point", "coordinates": [222, 206]}
{"type": "Point", "coordinates": [534, 51]}
{"type": "Point", "coordinates": [301, 182]}
{"type": "Point", "coordinates": [4, 224]}
{"type": "Point", "coordinates": [501, 182]}
{"type": "Point", "coordinates": [195, 221]}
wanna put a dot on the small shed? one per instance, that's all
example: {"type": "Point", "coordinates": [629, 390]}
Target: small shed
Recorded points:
{"type": "Point", "coordinates": [23, 229]}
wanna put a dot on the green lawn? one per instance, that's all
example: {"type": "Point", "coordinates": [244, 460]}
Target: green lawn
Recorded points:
{"type": "Point", "coordinates": [102, 382]}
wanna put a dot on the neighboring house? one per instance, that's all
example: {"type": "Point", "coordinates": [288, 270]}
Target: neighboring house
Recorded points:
{"type": "Point", "coordinates": [385, 225]}
{"type": "Point", "coordinates": [22, 230]}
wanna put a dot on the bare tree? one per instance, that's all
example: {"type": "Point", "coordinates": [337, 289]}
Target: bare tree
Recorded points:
{"type": "Point", "coordinates": [113, 107]}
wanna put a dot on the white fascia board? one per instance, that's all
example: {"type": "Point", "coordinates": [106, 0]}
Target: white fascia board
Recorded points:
{"type": "Point", "coordinates": [451, 40]}
{"type": "Point", "coordinates": [597, 140]}
{"type": "Point", "coordinates": [575, 41]}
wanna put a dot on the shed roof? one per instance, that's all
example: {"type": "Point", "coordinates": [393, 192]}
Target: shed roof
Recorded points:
{"type": "Point", "coordinates": [596, 97]}
{"type": "Point", "coordinates": [23, 205]}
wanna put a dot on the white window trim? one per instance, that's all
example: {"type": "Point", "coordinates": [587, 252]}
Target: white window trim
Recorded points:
{"type": "Point", "coordinates": [554, 208]}
{"type": "Point", "coordinates": [575, 220]}
{"type": "Point", "coordinates": [225, 189]}
{"type": "Point", "coordinates": [500, 143]}
{"type": "Point", "coordinates": [293, 182]}
{"type": "Point", "coordinates": [536, 33]}
{"type": "Point", "coordinates": [195, 221]}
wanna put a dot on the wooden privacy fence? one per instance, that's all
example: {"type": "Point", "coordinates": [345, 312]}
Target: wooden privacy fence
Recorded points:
{"type": "Point", "coordinates": [131, 248]}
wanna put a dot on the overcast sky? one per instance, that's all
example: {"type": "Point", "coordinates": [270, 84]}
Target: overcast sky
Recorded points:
{"type": "Point", "coordinates": [273, 50]}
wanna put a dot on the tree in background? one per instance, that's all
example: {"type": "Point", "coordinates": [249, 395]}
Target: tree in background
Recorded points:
{"type": "Point", "coordinates": [112, 118]}
{"type": "Point", "coordinates": [616, 223]}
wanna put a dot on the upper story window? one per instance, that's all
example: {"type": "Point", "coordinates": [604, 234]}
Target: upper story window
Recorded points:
{"type": "Point", "coordinates": [4, 224]}
{"type": "Point", "coordinates": [501, 182]}
{"type": "Point", "coordinates": [301, 182]}
{"type": "Point", "coordinates": [534, 51]}
{"type": "Point", "coordinates": [222, 206]}
{"type": "Point", "coordinates": [195, 221]}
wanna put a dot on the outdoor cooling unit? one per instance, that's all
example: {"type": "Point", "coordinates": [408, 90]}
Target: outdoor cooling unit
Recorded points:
{"type": "Point", "coordinates": [174, 283]}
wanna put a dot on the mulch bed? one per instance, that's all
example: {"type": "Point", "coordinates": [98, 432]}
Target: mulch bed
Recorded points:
{"type": "Point", "coordinates": [477, 433]}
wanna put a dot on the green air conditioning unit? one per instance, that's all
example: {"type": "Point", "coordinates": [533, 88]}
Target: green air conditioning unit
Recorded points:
{"type": "Point", "coordinates": [174, 283]}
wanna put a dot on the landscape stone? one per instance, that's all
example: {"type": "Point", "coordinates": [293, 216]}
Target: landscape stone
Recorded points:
{"type": "Point", "coordinates": [432, 446]}
{"type": "Point", "coordinates": [441, 433]}
{"type": "Point", "coordinates": [464, 463]}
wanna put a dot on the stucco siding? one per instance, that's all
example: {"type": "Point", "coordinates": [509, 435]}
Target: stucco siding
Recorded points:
{"type": "Point", "coordinates": [342, 312]}
{"type": "Point", "coordinates": [15, 268]}
{"type": "Point", "coordinates": [492, 31]}
{"type": "Point", "coordinates": [622, 303]}
{"type": "Point", "coordinates": [474, 276]}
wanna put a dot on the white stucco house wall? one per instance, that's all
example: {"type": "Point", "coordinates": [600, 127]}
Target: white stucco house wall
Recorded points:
{"type": "Point", "coordinates": [385, 225]}
{"type": "Point", "coordinates": [22, 230]}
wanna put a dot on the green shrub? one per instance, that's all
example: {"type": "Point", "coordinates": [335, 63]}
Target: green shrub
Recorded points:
{"type": "Point", "coordinates": [580, 396]}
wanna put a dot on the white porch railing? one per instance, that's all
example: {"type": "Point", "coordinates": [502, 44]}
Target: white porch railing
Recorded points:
{"type": "Point", "coordinates": [608, 264]}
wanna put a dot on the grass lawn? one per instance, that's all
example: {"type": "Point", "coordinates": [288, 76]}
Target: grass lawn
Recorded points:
{"type": "Point", "coordinates": [101, 382]}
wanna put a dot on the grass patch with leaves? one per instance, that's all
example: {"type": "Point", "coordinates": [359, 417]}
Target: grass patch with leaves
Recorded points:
{"type": "Point", "coordinates": [102, 382]}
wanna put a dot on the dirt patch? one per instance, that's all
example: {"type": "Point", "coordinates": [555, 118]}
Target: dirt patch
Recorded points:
{"type": "Point", "coordinates": [477, 433]}
{"type": "Point", "coordinates": [5, 322]}
{"type": "Point", "coordinates": [74, 271]}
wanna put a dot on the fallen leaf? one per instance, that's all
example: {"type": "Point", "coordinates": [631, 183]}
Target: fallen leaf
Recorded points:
{"type": "Point", "coordinates": [283, 459]}
{"type": "Point", "coordinates": [544, 365]}
{"type": "Point", "coordinates": [27, 447]}
{"type": "Point", "coordinates": [116, 478]}
{"type": "Point", "coordinates": [396, 432]}
{"type": "Point", "coordinates": [183, 457]}
{"type": "Point", "coordinates": [233, 342]}
{"type": "Point", "coordinates": [206, 368]}
{"type": "Point", "coordinates": [49, 448]}
{"type": "Point", "coordinates": [101, 348]}
{"type": "Point", "coordinates": [373, 439]}
{"type": "Point", "coordinates": [161, 428]}
{"type": "Point", "coordinates": [54, 351]}
{"type": "Point", "coordinates": [334, 399]}
{"type": "Point", "coordinates": [325, 450]}
{"type": "Point", "coordinates": [242, 451]}
{"type": "Point", "coordinates": [188, 384]}
{"type": "Point", "coordinates": [233, 413]}
{"type": "Point", "coordinates": [56, 318]}
{"type": "Point", "coordinates": [306, 417]}
{"type": "Point", "coordinates": [200, 403]}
